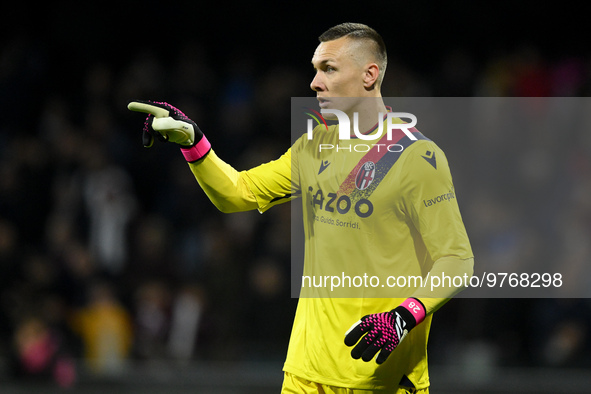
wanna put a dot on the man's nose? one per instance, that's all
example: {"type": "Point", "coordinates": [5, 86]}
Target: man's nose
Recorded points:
{"type": "Point", "coordinates": [317, 85]}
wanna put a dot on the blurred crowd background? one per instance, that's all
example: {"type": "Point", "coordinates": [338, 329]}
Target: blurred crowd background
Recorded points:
{"type": "Point", "coordinates": [110, 253]}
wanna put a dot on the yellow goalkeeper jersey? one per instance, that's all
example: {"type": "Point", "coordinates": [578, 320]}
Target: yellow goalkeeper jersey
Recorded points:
{"type": "Point", "coordinates": [381, 208]}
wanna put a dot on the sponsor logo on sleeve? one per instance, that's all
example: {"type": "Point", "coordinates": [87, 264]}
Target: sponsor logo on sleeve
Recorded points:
{"type": "Point", "coordinates": [441, 198]}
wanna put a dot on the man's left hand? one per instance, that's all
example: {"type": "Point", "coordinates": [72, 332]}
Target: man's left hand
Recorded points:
{"type": "Point", "coordinates": [384, 331]}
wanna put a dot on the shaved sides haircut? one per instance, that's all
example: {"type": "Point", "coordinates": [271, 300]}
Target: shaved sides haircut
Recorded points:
{"type": "Point", "coordinates": [361, 32]}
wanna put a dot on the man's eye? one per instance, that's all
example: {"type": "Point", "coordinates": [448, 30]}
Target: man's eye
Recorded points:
{"type": "Point", "coordinates": [329, 69]}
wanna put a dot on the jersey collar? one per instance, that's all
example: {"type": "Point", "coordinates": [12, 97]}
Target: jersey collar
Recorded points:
{"type": "Point", "coordinates": [373, 129]}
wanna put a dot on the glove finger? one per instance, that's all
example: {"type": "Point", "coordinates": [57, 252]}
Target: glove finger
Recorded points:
{"type": "Point", "coordinates": [149, 130]}
{"type": "Point", "coordinates": [383, 356]}
{"type": "Point", "coordinates": [371, 349]}
{"type": "Point", "coordinates": [360, 349]}
{"type": "Point", "coordinates": [147, 136]}
{"type": "Point", "coordinates": [177, 131]}
{"type": "Point", "coordinates": [147, 139]}
{"type": "Point", "coordinates": [169, 123]}
{"type": "Point", "coordinates": [148, 108]}
{"type": "Point", "coordinates": [354, 333]}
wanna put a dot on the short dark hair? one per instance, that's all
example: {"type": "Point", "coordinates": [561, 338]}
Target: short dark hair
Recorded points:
{"type": "Point", "coordinates": [359, 31]}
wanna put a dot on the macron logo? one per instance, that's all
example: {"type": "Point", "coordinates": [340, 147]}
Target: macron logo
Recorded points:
{"type": "Point", "coordinates": [430, 158]}
{"type": "Point", "coordinates": [323, 166]}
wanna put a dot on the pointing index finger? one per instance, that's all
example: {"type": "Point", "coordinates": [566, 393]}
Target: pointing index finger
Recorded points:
{"type": "Point", "coordinates": [148, 108]}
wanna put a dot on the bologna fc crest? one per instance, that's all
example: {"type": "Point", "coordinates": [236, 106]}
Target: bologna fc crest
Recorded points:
{"type": "Point", "coordinates": [365, 175]}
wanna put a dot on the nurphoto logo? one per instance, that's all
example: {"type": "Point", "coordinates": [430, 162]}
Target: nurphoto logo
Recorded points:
{"type": "Point", "coordinates": [345, 129]}
{"type": "Point", "coordinates": [345, 124]}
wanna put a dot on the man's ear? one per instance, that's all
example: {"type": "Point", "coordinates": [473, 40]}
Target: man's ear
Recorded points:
{"type": "Point", "coordinates": [370, 76]}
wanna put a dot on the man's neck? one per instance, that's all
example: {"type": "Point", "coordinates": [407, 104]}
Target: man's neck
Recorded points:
{"type": "Point", "coordinates": [369, 113]}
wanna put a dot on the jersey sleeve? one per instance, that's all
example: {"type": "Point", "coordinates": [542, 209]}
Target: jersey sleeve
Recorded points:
{"type": "Point", "coordinates": [271, 183]}
{"type": "Point", "coordinates": [233, 191]}
{"type": "Point", "coordinates": [225, 187]}
{"type": "Point", "coordinates": [429, 198]}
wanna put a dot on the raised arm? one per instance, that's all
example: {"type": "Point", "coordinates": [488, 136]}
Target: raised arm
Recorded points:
{"type": "Point", "coordinates": [228, 189]}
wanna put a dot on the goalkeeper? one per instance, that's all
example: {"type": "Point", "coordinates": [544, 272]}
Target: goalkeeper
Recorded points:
{"type": "Point", "coordinates": [342, 345]}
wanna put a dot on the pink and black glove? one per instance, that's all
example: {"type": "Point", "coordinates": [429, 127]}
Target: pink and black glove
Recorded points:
{"type": "Point", "coordinates": [384, 331]}
{"type": "Point", "coordinates": [168, 123]}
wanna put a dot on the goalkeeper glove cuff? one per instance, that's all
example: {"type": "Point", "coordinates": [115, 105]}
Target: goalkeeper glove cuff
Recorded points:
{"type": "Point", "coordinates": [413, 309]}
{"type": "Point", "coordinates": [197, 151]}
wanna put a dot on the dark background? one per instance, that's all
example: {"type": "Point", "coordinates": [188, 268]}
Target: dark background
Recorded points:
{"type": "Point", "coordinates": [73, 171]}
